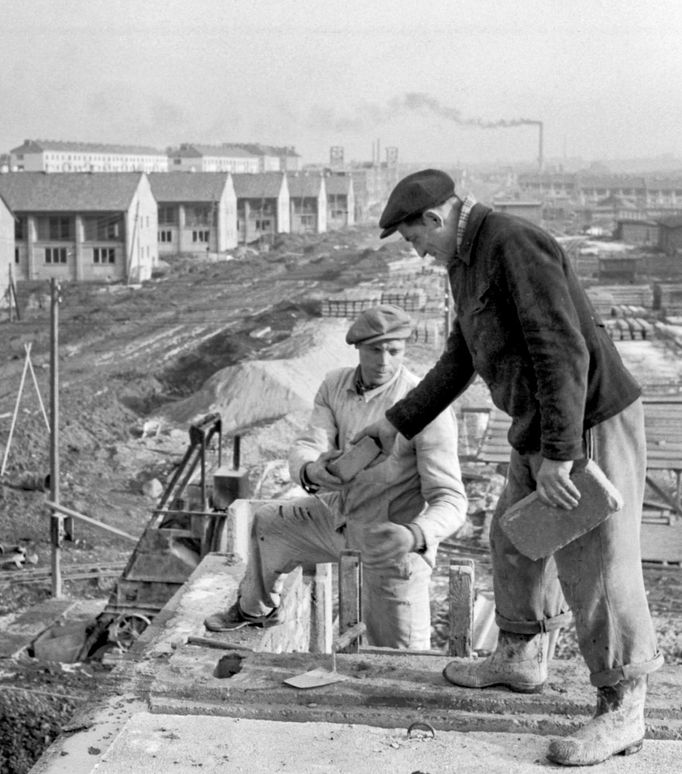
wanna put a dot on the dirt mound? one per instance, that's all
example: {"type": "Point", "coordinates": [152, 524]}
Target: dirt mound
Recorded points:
{"type": "Point", "coordinates": [263, 390]}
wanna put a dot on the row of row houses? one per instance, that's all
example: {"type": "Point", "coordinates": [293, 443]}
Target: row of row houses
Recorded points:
{"type": "Point", "coordinates": [586, 188]}
{"type": "Point", "coordinates": [62, 156]}
{"type": "Point", "coordinates": [82, 226]}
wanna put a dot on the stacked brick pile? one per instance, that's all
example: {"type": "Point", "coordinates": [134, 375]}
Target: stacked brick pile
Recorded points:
{"type": "Point", "coordinates": [351, 302]}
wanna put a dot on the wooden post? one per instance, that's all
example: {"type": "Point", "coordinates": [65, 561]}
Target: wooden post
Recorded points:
{"type": "Point", "coordinates": [350, 595]}
{"type": "Point", "coordinates": [56, 522]}
{"type": "Point", "coordinates": [460, 640]}
{"type": "Point", "coordinates": [322, 634]}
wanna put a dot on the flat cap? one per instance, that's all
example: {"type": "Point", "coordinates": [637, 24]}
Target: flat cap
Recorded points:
{"type": "Point", "coordinates": [413, 195]}
{"type": "Point", "coordinates": [380, 323]}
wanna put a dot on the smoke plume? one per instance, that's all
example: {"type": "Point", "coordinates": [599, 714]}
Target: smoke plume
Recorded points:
{"type": "Point", "coordinates": [418, 102]}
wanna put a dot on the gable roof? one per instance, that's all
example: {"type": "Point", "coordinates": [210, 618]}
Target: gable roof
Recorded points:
{"type": "Point", "coordinates": [37, 146]}
{"type": "Point", "coordinates": [260, 185]}
{"type": "Point", "coordinates": [69, 191]}
{"type": "Point", "coordinates": [188, 186]}
{"type": "Point", "coordinates": [305, 186]}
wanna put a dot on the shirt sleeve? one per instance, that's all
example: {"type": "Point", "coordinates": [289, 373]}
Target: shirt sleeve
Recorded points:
{"type": "Point", "coordinates": [448, 379]}
{"type": "Point", "coordinates": [441, 482]}
{"type": "Point", "coordinates": [320, 435]}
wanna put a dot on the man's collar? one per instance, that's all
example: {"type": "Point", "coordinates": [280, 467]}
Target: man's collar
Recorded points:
{"type": "Point", "coordinates": [476, 214]}
{"type": "Point", "coordinates": [361, 389]}
{"type": "Point", "coordinates": [463, 220]}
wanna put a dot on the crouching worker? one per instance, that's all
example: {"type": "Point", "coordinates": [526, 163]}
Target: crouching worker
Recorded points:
{"type": "Point", "coordinates": [394, 513]}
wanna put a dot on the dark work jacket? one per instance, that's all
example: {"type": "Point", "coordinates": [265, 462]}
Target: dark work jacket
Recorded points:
{"type": "Point", "coordinates": [524, 324]}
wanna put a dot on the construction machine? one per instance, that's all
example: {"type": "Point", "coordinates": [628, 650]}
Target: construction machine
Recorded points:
{"type": "Point", "coordinates": [189, 521]}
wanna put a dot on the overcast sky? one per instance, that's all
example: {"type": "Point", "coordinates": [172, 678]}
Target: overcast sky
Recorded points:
{"type": "Point", "coordinates": [427, 76]}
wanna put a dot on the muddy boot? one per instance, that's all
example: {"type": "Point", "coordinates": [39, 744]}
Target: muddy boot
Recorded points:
{"type": "Point", "coordinates": [519, 663]}
{"type": "Point", "coordinates": [617, 727]}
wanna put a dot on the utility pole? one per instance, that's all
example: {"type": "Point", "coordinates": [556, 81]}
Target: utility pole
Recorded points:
{"type": "Point", "coordinates": [56, 520]}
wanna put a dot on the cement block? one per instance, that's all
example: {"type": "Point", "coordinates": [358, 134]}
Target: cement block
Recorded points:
{"type": "Point", "coordinates": [357, 458]}
{"type": "Point", "coordinates": [538, 530]}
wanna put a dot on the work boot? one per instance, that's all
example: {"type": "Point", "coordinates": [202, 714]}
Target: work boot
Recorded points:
{"type": "Point", "coordinates": [236, 618]}
{"type": "Point", "coordinates": [519, 663]}
{"type": "Point", "coordinates": [617, 727]}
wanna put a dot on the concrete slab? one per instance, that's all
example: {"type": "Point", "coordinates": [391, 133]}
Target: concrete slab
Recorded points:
{"type": "Point", "coordinates": [172, 743]}
{"type": "Point", "coordinates": [390, 691]}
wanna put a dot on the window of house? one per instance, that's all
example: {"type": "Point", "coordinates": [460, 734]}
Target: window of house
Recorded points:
{"type": "Point", "coordinates": [16, 255]}
{"type": "Point", "coordinates": [168, 216]}
{"type": "Point", "coordinates": [104, 255]}
{"type": "Point", "coordinates": [165, 236]}
{"type": "Point", "coordinates": [200, 236]}
{"type": "Point", "coordinates": [197, 215]}
{"type": "Point", "coordinates": [55, 228]}
{"type": "Point", "coordinates": [103, 228]}
{"type": "Point", "coordinates": [20, 229]}
{"type": "Point", "coordinates": [55, 255]}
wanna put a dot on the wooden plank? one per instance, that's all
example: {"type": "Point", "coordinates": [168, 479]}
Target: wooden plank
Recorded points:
{"type": "Point", "coordinates": [322, 634]}
{"type": "Point", "coordinates": [661, 542]}
{"type": "Point", "coordinates": [461, 608]}
{"type": "Point", "coordinates": [350, 595]}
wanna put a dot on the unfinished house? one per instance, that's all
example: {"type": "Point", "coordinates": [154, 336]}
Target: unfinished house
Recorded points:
{"type": "Point", "coordinates": [82, 226]}
{"type": "Point", "coordinates": [6, 249]}
{"type": "Point", "coordinates": [670, 234]}
{"type": "Point", "coordinates": [262, 206]}
{"type": "Point", "coordinates": [197, 212]}
{"type": "Point", "coordinates": [636, 231]}
{"type": "Point", "coordinates": [190, 157]}
{"type": "Point", "coordinates": [308, 202]}
{"type": "Point", "coordinates": [340, 201]}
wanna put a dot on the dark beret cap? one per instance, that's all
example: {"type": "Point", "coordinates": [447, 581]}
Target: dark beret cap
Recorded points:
{"type": "Point", "coordinates": [413, 195]}
{"type": "Point", "coordinates": [380, 323]}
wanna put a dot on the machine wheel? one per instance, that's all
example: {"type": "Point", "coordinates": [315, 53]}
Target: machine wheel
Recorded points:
{"type": "Point", "coordinates": [125, 630]}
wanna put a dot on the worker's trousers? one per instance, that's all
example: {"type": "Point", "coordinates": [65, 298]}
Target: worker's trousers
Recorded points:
{"type": "Point", "coordinates": [598, 577]}
{"type": "Point", "coordinates": [301, 532]}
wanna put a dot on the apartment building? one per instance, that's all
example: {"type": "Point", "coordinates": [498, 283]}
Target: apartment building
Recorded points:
{"type": "Point", "coordinates": [191, 157]}
{"type": "Point", "coordinates": [273, 158]}
{"type": "Point", "coordinates": [646, 191]}
{"type": "Point", "coordinates": [82, 226]}
{"type": "Point", "coordinates": [57, 156]}
{"type": "Point", "coordinates": [197, 212]}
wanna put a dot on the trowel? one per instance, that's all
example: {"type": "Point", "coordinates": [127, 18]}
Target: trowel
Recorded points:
{"type": "Point", "coordinates": [316, 678]}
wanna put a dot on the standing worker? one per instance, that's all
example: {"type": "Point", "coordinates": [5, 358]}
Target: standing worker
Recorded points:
{"type": "Point", "coordinates": [525, 325]}
{"type": "Point", "coordinates": [395, 514]}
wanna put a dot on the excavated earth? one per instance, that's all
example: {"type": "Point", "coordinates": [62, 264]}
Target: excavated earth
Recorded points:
{"type": "Point", "coordinates": [137, 365]}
